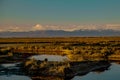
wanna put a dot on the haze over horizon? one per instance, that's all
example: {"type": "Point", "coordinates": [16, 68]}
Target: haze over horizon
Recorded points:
{"type": "Point", "coordinates": [39, 27]}
{"type": "Point", "coordinates": [67, 15]}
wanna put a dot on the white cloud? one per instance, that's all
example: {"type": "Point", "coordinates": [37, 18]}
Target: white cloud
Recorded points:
{"type": "Point", "coordinates": [60, 27]}
{"type": "Point", "coordinates": [38, 27]}
{"type": "Point", "coordinates": [11, 29]}
{"type": "Point", "coordinates": [113, 26]}
{"type": "Point", "coordinates": [14, 29]}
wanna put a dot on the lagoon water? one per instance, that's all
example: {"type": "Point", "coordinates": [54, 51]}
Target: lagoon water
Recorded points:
{"type": "Point", "coordinates": [112, 74]}
{"type": "Point", "coordinates": [50, 57]}
{"type": "Point", "coordinates": [14, 77]}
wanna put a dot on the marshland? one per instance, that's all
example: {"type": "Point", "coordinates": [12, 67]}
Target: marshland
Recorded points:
{"type": "Point", "coordinates": [58, 58]}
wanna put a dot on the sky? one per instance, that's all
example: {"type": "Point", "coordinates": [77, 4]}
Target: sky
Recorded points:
{"type": "Point", "coordinates": [69, 15]}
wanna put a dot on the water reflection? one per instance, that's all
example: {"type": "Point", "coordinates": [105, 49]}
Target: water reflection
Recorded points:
{"type": "Point", "coordinates": [51, 69]}
{"type": "Point", "coordinates": [111, 74]}
{"type": "Point", "coordinates": [50, 57]}
{"type": "Point", "coordinates": [12, 71]}
{"type": "Point", "coordinates": [14, 77]}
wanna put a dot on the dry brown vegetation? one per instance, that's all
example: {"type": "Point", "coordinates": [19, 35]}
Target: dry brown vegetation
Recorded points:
{"type": "Point", "coordinates": [85, 54]}
{"type": "Point", "coordinates": [76, 48]}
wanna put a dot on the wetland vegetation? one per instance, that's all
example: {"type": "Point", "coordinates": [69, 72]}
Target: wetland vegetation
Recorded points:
{"type": "Point", "coordinates": [57, 58]}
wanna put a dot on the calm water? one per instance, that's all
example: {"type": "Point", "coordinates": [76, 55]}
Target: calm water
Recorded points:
{"type": "Point", "coordinates": [14, 77]}
{"type": "Point", "coordinates": [112, 74]}
{"type": "Point", "coordinates": [50, 57]}
{"type": "Point", "coordinates": [11, 71]}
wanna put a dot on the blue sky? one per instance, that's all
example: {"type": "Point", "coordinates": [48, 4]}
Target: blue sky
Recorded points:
{"type": "Point", "coordinates": [33, 12]}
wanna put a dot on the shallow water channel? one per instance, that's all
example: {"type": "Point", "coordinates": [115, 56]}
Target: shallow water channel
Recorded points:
{"type": "Point", "coordinates": [103, 70]}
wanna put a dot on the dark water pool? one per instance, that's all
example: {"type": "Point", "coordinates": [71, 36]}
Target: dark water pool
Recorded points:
{"type": "Point", "coordinates": [101, 70]}
{"type": "Point", "coordinates": [113, 73]}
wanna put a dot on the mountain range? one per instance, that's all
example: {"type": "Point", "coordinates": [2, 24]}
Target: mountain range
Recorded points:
{"type": "Point", "coordinates": [61, 33]}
